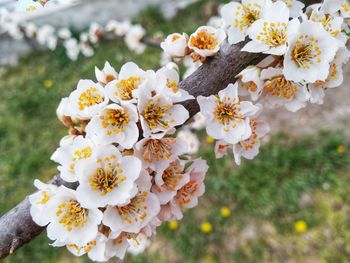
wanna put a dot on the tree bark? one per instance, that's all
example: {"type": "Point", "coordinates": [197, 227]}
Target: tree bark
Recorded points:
{"type": "Point", "coordinates": [17, 227]}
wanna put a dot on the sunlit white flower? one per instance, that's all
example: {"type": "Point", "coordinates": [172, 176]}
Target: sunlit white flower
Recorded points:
{"type": "Point", "coordinates": [118, 28]}
{"type": "Point", "coordinates": [227, 116]}
{"type": "Point", "coordinates": [158, 114]}
{"type": "Point", "coordinates": [51, 42]}
{"type": "Point", "coordinates": [239, 17]}
{"type": "Point", "coordinates": [14, 30]}
{"type": "Point", "coordinates": [106, 75]}
{"type": "Point", "coordinates": [295, 7]}
{"type": "Point", "coordinates": [129, 80]}
{"type": "Point", "coordinates": [206, 41]}
{"type": "Point", "coordinates": [139, 244]}
{"type": "Point", "coordinates": [64, 33]}
{"type": "Point", "coordinates": [133, 39]}
{"type": "Point", "coordinates": [107, 179]}
{"type": "Point", "coordinates": [250, 82]}
{"type": "Point", "coordinates": [28, 6]}
{"type": "Point", "coordinates": [69, 154]}
{"type": "Point", "coordinates": [309, 53]}
{"type": "Point", "coordinates": [333, 6]}
{"type": "Point", "coordinates": [69, 221]}
{"type": "Point", "coordinates": [175, 45]}
{"type": "Point", "coordinates": [169, 181]}
{"type": "Point", "coordinates": [39, 201]}
{"type": "Point", "coordinates": [190, 139]}
{"type": "Point", "coordinates": [157, 154]}
{"type": "Point", "coordinates": [117, 247]}
{"type": "Point", "coordinates": [87, 100]}
{"type": "Point", "coordinates": [270, 34]}
{"type": "Point", "coordinates": [278, 91]}
{"type": "Point", "coordinates": [187, 196]}
{"type": "Point", "coordinates": [115, 124]}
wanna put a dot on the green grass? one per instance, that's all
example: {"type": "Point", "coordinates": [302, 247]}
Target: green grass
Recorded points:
{"type": "Point", "coordinates": [263, 194]}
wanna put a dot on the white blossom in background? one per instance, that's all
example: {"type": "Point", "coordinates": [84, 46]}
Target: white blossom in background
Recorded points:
{"type": "Point", "coordinates": [175, 45]}
{"type": "Point", "coordinates": [295, 7]}
{"type": "Point", "coordinates": [64, 33]}
{"type": "Point", "coordinates": [72, 48]}
{"type": "Point", "coordinates": [133, 38]}
{"type": "Point", "coordinates": [190, 139]}
{"type": "Point", "coordinates": [333, 6]}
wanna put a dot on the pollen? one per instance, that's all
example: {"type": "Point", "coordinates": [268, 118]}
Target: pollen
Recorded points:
{"type": "Point", "coordinates": [107, 177]}
{"type": "Point", "coordinates": [171, 176]}
{"type": "Point", "coordinates": [44, 199]}
{"type": "Point", "coordinates": [204, 40]}
{"type": "Point", "coordinates": [89, 98]}
{"type": "Point", "coordinates": [154, 115]}
{"type": "Point", "coordinates": [279, 86]}
{"type": "Point", "coordinates": [226, 111]}
{"type": "Point", "coordinates": [157, 149]}
{"type": "Point", "coordinates": [115, 119]}
{"type": "Point", "coordinates": [250, 86]}
{"type": "Point", "coordinates": [71, 214]}
{"type": "Point", "coordinates": [249, 14]}
{"type": "Point", "coordinates": [136, 210]}
{"type": "Point", "coordinates": [125, 87]}
{"type": "Point", "coordinates": [306, 52]}
{"type": "Point", "coordinates": [186, 192]}
{"type": "Point", "coordinates": [171, 84]}
{"type": "Point", "coordinates": [273, 35]}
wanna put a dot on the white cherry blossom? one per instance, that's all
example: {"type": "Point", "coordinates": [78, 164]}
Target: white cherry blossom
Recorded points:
{"type": "Point", "coordinates": [239, 17]}
{"type": "Point", "coordinates": [115, 124]}
{"type": "Point", "coordinates": [227, 116]}
{"type": "Point", "coordinates": [175, 45]}
{"type": "Point", "coordinates": [108, 179]}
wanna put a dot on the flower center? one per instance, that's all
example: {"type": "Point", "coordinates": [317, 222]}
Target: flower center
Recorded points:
{"type": "Point", "coordinates": [250, 86]}
{"type": "Point", "coordinates": [156, 149]}
{"type": "Point", "coordinates": [136, 210]}
{"type": "Point", "coordinates": [183, 195]}
{"type": "Point", "coordinates": [108, 177]}
{"type": "Point", "coordinates": [273, 35]}
{"type": "Point", "coordinates": [109, 78]}
{"type": "Point", "coordinates": [225, 111]}
{"type": "Point", "coordinates": [249, 16]}
{"type": "Point", "coordinates": [154, 115]}
{"type": "Point", "coordinates": [116, 119]}
{"type": "Point", "coordinates": [327, 24]}
{"type": "Point", "coordinates": [72, 214]}
{"type": "Point", "coordinates": [89, 98]}
{"type": "Point", "coordinates": [204, 40]}
{"type": "Point", "coordinates": [279, 86]}
{"type": "Point", "coordinates": [175, 37]}
{"type": "Point", "coordinates": [306, 52]}
{"type": "Point", "coordinates": [171, 176]}
{"type": "Point", "coordinates": [126, 86]}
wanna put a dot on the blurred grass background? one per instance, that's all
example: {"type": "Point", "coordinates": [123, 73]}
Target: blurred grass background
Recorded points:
{"type": "Point", "coordinates": [290, 204]}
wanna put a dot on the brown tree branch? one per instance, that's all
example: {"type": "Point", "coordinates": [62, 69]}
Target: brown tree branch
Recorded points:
{"type": "Point", "coordinates": [17, 227]}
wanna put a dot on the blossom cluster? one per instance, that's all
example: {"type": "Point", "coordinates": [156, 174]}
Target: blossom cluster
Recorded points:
{"type": "Point", "coordinates": [131, 169]}
{"type": "Point", "coordinates": [47, 36]}
{"type": "Point", "coordinates": [305, 54]}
